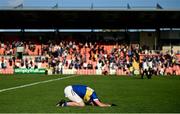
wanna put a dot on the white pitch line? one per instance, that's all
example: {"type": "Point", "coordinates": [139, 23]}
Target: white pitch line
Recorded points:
{"type": "Point", "coordinates": [31, 84]}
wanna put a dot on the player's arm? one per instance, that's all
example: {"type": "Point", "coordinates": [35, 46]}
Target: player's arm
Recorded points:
{"type": "Point", "coordinates": [97, 102]}
{"type": "Point", "coordinates": [100, 104]}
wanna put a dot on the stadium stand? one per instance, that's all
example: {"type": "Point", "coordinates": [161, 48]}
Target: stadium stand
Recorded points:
{"type": "Point", "coordinates": [112, 50]}
{"type": "Point", "coordinates": [74, 57]}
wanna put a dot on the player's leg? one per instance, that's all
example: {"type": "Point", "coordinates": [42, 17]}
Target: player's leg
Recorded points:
{"type": "Point", "coordinates": [147, 73]}
{"type": "Point", "coordinates": [150, 73]}
{"type": "Point", "coordinates": [75, 100]}
{"type": "Point", "coordinates": [142, 74]}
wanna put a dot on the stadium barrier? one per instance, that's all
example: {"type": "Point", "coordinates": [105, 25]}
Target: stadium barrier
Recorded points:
{"type": "Point", "coordinates": [122, 72]}
{"type": "Point", "coordinates": [29, 71]}
{"type": "Point", "coordinates": [99, 72]}
{"type": "Point", "coordinates": [49, 71]}
{"type": "Point", "coordinates": [117, 72]}
{"type": "Point", "coordinates": [112, 71]}
{"type": "Point", "coordinates": [69, 71]}
{"type": "Point", "coordinates": [65, 71]}
{"type": "Point", "coordinates": [7, 71]}
{"type": "Point", "coordinates": [93, 72]}
{"type": "Point", "coordinates": [88, 72]}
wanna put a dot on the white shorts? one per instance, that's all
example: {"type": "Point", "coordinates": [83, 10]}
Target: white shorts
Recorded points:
{"type": "Point", "coordinates": [69, 93]}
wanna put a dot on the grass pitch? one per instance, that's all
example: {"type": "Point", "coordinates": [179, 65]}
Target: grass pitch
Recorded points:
{"type": "Point", "coordinates": [131, 94]}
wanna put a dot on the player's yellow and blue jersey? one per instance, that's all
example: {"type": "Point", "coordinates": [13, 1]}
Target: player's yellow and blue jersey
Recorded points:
{"type": "Point", "coordinates": [85, 92]}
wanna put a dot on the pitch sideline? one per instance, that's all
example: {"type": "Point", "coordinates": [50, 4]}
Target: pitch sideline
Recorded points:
{"type": "Point", "coordinates": [36, 83]}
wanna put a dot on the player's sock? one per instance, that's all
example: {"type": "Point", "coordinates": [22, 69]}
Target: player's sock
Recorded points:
{"type": "Point", "coordinates": [64, 104]}
{"type": "Point", "coordinates": [61, 103]}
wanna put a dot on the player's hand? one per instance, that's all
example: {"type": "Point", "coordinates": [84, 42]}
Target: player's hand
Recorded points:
{"type": "Point", "coordinates": [113, 105]}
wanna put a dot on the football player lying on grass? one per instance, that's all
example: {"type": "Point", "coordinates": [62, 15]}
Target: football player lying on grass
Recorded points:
{"type": "Point", "coordinates": [79, 95]}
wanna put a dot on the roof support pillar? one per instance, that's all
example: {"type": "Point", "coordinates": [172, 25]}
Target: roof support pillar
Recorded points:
{"type": "Point", "coordinates": [157, 39]}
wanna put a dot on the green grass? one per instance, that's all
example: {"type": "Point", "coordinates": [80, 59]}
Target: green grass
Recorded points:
{"type": "Point", "coordinates": [131, 94]}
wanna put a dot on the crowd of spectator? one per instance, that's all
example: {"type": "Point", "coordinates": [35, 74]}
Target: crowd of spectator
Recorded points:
{"type": "Point", "coordinates": [76, 55]}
